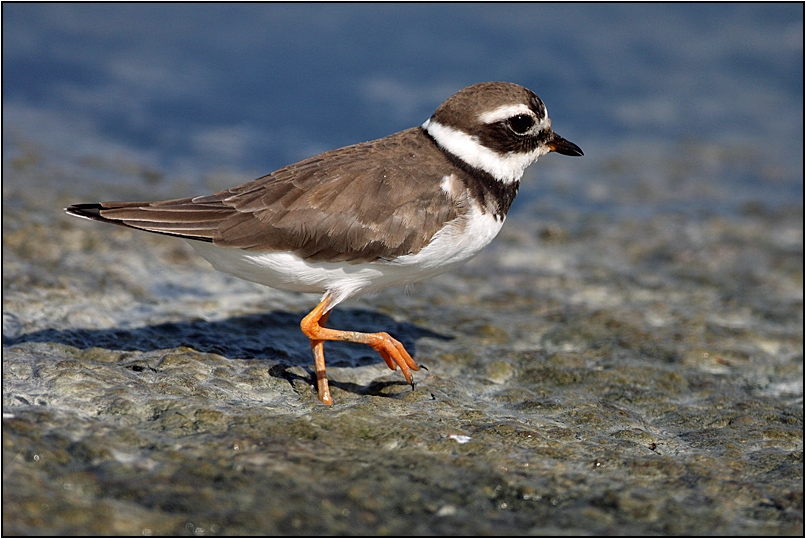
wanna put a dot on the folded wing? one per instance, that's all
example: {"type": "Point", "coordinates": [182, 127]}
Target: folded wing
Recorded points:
{"type": "Point", "coordinates": [347, 210]}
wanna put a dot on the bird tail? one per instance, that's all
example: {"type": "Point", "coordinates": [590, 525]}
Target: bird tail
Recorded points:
{"type": "Point", "coordinates": [182, 218]}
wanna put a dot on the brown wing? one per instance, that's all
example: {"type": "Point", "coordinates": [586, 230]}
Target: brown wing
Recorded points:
{"type": "Point", "coordinates": [348, 211]}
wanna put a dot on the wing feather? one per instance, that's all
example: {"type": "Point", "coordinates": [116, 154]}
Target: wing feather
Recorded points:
{"type": "Point", "coordinates": [349, 211]}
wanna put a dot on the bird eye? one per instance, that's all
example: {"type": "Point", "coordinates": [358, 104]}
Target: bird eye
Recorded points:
{"type": "Point", "coordinates": [521, 123]}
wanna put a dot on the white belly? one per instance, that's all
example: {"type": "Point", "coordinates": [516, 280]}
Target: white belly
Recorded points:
{"type": "Point", "coordinates": [459, 241]}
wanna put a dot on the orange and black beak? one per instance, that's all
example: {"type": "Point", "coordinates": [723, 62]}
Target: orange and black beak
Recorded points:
{"type": "Point", "coordinates": [565, 147]}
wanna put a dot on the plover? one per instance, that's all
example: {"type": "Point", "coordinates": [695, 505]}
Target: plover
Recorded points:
{"type": "Point", "coordinates": [358, 219]}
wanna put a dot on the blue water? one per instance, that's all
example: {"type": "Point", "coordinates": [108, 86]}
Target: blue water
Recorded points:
{"type": "Point", "coordinates": [190, 88]}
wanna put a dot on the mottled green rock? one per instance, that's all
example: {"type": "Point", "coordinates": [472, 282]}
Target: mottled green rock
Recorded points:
{"type": "Point", "coordinates": [588, 374]}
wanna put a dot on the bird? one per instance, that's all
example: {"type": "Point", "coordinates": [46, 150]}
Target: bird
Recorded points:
{"type": "Point", "coordinates": [357, 219]}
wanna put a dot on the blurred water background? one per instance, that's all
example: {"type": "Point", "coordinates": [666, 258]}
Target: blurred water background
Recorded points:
{"type": "Point", "coordinates": [192, 90]}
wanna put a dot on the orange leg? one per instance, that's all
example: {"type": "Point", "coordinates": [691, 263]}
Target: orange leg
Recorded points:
{"type": "Point", "coordinates": [392, 352]}
{"type": "Point", "coordinates": [318, 347]}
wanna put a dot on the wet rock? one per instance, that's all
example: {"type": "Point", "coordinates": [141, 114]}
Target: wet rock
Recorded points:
{"type": "Point", "coordinates": [588, 374]}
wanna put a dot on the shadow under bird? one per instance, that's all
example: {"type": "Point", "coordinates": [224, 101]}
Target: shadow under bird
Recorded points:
{"type": "Point", "coordinates": [358, 219]}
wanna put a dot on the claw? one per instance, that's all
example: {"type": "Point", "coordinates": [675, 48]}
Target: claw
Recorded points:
{"type": "Point", "coordinates": [390, 349]}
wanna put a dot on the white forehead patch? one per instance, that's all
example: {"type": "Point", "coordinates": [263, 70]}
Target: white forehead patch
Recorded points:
{"type": "Point", "coordinates": [503, 112]}
{"type": "Point", "coordinates": [508, 111]}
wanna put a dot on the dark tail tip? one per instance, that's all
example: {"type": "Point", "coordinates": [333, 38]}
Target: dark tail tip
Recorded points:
{"type": "Point", "coordinates": [88, 211]}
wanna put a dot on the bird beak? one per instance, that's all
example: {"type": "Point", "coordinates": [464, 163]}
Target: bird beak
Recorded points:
{"type": "Point", "coordinates": [565, 147]}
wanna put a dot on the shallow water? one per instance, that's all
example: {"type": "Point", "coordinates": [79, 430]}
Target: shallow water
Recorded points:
{"type": "Point", "coordinates": [626, 358]}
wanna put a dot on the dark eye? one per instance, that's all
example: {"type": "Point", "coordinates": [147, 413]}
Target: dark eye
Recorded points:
{"type": "Point", "coordinates": [521, 123]}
